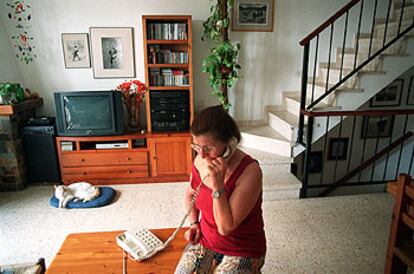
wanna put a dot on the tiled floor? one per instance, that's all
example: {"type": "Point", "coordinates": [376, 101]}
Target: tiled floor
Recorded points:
{"type": "Point", "coordinates": [345, 234]}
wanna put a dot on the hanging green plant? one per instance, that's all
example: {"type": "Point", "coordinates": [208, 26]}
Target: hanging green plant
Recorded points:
{"type": "Point", "coordinates": [221, 64]}
{"type": "Point", "coordinates": [222, 67]}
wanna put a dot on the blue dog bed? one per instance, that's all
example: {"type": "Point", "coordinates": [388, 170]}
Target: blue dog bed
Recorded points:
{"type": "Point", "coordinates": [106, 197]}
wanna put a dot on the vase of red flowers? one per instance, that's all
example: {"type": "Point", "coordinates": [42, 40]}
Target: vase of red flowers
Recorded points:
{"type": "Point", "coordinates": [133, 93]}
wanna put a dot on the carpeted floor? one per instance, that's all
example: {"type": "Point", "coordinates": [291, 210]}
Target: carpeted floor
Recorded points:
{"type": "Point", "coordinates": [345, 234]}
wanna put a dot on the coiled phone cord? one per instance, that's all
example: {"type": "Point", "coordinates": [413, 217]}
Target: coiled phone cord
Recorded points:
{"type": "Point", "coordinates": [167, 242]}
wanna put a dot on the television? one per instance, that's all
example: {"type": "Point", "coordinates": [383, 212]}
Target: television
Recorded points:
{"type": "Point", "coordinates": [89, 113]}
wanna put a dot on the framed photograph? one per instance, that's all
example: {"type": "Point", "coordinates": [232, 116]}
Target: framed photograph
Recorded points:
{"type": "Point", "coordinates": [410, 96]}
{"type": "Point", "coordinates": [377, 126]}
{"type": "Point", "coordinates": [315, 163]}
{"type": "Point", "coordinates": [389, 96]}
{"type": "Point", "coordinates": [338, 148]}
{"type": "Point", "coordinates": [76, 50]}
{"type": "Point", "coordinates": [112, 52]}
{"type": "Point", "coordinates": [253, 15]}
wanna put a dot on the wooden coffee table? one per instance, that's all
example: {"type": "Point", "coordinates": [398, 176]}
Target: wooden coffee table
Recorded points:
{"type": "Point", "coordinates": [98, 253]}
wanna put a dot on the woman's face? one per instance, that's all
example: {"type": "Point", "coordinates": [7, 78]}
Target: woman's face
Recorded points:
{"type": "Point", "coordinates": [208, 147]}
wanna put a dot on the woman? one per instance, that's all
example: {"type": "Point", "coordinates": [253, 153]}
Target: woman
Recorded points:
{"type": "Point", "coordinates": [226, 233]}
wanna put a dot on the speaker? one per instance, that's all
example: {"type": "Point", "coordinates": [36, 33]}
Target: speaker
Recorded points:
{"type": "Point", "coordinates": [40, 151]}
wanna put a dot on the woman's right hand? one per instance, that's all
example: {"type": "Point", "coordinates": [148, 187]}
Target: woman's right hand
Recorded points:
{"type": "Point", "coordinates": [193, 234]}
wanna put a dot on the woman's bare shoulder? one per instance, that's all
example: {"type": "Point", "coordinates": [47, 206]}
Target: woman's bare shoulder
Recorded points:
{"type": "Point", "coordinates": [251, 175]}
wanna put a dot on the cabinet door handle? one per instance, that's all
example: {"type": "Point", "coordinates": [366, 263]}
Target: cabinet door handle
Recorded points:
{"type": "Point", "coordinates": [84, 173]}
{"type": "Point", "coordinates": [154, 157]}
{"type": "Point", "coordinates": [82, 160]}
{"type": "Point", "coordinates": [129, 171]}
{"type": "Point", "coordinates": [129, 158]}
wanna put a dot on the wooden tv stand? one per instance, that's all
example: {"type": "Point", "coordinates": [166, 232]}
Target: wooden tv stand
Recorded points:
{"type": "Point", "coordinates": [125, 159]}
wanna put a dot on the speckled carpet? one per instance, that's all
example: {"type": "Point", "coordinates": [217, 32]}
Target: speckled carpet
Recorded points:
{"type": "Point", "coordinates": [346, 234]}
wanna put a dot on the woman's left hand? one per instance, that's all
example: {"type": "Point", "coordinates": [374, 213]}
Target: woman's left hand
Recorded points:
{"type": "Point", "coordinates": [217, 169]}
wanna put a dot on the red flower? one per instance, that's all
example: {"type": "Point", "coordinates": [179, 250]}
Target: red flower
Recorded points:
{"type": "Point", "coordinates": [133, 92]}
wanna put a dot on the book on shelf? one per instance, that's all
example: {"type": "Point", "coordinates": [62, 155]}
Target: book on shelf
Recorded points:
{"type": "Point", "coordinates": [168, 77]}
{"type": "Point", "coordinates": [167, 31]}
{"type": "Point", "coordinates": [158, 55]}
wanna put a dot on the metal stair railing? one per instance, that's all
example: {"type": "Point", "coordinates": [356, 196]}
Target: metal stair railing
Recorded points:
{"type": "Point", "coordinates": [367, 147]}
{"type": "Point", "coordinates": [346, 13]}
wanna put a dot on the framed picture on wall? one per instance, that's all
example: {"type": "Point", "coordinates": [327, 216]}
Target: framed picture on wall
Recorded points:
{"type": "Point", "coordinates": [315, 161]}
{"type": "Point", "coordinates": [112, 52]}
{"type": "Point", "coordinates": [410, 96]}
{"type": "Point", "coordinates": [252, 15]}
{"type": "Point", "coordinates": [76, 50]}
{"type": "Point", "coordinates": [389, 96]}
{"type": "Point", "coordinates": [377, 126]}
{"type": "Point", "coordinates": [338, 148]}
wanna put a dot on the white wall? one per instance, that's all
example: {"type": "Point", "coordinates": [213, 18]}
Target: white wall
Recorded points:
{"type": "Point", "coordinates": [8, 67]}
{"type": "Point", "coordinates": [271, 61]}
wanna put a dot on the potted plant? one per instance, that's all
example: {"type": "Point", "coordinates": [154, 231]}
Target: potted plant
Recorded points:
{"type": "Point", "coordinates": [221, 64]}
{"type": "Point", "coordinates": [11, 93]}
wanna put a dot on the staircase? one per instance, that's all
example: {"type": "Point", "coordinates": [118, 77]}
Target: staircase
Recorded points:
{"type": "Point", "coordinates": [278, 182]}
{"type": "Point", "coordinates": [277, 135]}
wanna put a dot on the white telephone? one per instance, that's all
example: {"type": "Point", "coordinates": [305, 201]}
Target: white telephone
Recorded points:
{"type": "Point", "coordinates": [230, 147]}
{"type": "Point", "coordinates": [142, 244]}
{"type": "Point", "coordinates": [139, 243]}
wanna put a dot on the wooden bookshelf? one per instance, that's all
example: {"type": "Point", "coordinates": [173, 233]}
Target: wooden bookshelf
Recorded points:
{"type": "Point", "coordinates": [165, 50]}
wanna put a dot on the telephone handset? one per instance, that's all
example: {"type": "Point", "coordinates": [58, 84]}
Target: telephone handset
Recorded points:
{"type": "Point", "coordinates": [230, 148]}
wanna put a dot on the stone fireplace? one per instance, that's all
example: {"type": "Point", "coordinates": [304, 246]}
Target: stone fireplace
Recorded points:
{"type": "Point", "coordinates": [12, 159]}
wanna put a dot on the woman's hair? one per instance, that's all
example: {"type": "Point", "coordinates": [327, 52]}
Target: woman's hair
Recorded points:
{"type": "Point", "coordinates": [216, 122]}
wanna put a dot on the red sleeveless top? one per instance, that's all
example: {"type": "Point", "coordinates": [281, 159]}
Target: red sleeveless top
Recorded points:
{"type": "Point", "coordinates": [248, 239]}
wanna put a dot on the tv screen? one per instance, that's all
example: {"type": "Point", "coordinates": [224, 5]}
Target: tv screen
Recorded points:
{"type": "Point", "coordinates": [89, 113]}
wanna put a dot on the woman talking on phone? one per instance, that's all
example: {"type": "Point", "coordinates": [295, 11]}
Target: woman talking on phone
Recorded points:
{"type": "Point", "coordinates": [226, 233]}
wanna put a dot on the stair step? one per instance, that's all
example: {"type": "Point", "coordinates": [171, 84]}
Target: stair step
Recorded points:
{"type": "Point", "coordinates": [266, 158]}
{"type": "Point", "coordinates": [376, 44]}
{"type": "Point", "coordinates": [289, 118]}
{"type": "Point", "coordinates": [337, 66]}
{"type": "Point", "coordinates": [392, 28]}
{"type": "Point", "coordinates": [278, 182]}
{"type": "Point", "coordinates": [322, 84]}
{"type": "Point", "coordinates": [398, 5]}
{"type": "Point", "coordinates": [364, 55]}
{"type": "Point", "coordinates": [335, 75]}
{"type": "Point", "coordinates": [265, 138]}
{"type": "Point", "coordinates": [263, 131]}
{"type": "Point", "coordinates": [284, 122]}
{"type": "Point", "coordinates": [293, 105]}
{"type": "Point", "coordinates": [395, 21]}
{"type": "Point", "coordinates": [395, 17]}
{"type": "Point", "coordinates": [278, 186]}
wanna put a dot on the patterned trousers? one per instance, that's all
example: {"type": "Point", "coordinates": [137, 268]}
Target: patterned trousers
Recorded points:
{"type": "Point", "coordinates": [196, 258]}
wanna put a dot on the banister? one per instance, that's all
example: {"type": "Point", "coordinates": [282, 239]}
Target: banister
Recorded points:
{"type": "Point", "coordinates": [367, 163]}
{"type": "Point", "coordinates": [363, 64]}
{"type": "Point", "coordinates": [356, 112]}
{"type": "Point", "coordinates": [331, 19]}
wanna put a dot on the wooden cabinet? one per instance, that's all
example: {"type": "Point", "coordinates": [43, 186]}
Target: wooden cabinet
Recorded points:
{"type": "Point", "coordinates": [130, 158]}
{"type": "Point", "coordinates": [163, 154]}
{"type": "Point", "coordinates": [170, 156]}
